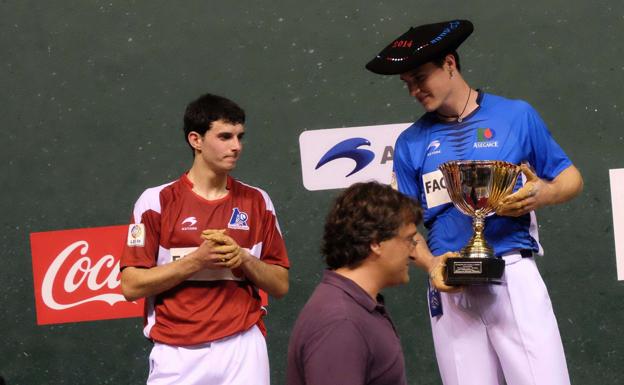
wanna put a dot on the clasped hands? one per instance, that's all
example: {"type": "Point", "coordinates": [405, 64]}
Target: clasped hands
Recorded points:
{"type": "Point", "coordinates": [219, 250]}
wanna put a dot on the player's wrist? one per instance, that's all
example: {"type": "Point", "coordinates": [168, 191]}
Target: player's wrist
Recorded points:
{"type": "Point", "coordinates": [246, 257]}
{"type": "Point", "coordinates": [551, 194]}
{"type": "Point", "coordinates": [431, 263]}
{"type": "Point", "coordinates": [192, 263]}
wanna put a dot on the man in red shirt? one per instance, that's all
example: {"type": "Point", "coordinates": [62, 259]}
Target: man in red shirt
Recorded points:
{"type": "Point", "coordinates": [199, 250]}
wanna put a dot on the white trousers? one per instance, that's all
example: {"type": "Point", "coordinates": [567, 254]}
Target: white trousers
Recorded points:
{"type": "Point", "coordinates": [241, 359]}
{"type": "Point", "coordinates": [495, 333]}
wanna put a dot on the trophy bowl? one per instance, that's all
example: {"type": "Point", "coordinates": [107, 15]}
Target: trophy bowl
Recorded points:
{"type": "Point", "coordinates": [476, 188]}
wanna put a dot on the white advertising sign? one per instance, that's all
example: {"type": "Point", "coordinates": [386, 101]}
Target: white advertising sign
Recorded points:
{"type": "Point", "coordinates": [616, 177]}
{"type": "Point", "coordinates": [338, 157]}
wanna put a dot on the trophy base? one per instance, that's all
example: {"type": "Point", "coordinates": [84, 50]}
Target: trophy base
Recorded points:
{"type": "Point", "coordinates": [474, 271]}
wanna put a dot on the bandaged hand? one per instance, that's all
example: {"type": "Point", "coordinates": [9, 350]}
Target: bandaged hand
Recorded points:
{"type": "Point", "coordinates": [437, 273]}
{"type": "Point", "coordinates": [226, 251]}
{"type": "Point", "coordinates": [525, 199]}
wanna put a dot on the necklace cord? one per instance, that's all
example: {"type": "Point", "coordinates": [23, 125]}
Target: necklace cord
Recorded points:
{"type": "Point", "coordinates": [459, 117]}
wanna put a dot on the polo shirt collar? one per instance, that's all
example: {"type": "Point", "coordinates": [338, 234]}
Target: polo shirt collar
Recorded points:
{"type": "Point", "coordinates": [358, 294]}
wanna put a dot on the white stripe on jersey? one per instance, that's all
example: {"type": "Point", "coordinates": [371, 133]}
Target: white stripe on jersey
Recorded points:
{"type": "Point", "coordinates": [149, 200]}
{"type": "Point", "coordinates": [256, 250]}
{"type": "Point", "coordinates": [267, 202]}
{"type": "Point", "coordinates": [150, 316]}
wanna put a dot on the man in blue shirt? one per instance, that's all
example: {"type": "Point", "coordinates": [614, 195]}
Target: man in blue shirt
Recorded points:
{"type": "Point", "coordinates": [491, 334]}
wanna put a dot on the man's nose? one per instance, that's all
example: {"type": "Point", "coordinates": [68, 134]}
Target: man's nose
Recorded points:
{"type": "Point", "coordinates": [413, 89]}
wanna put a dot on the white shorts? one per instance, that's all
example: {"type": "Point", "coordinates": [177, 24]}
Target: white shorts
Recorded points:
{"type": "Point", "coordinates": [495, 333]}
{"type": "Point", "coordinates": [241, 359]}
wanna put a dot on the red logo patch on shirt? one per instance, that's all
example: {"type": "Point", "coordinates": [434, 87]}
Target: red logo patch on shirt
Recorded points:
{"type": "Point", "coordinates": [485, 134]}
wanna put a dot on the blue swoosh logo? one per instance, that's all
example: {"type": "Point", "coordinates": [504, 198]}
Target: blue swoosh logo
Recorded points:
{"type": "Point", "coordinates": [349, 149]}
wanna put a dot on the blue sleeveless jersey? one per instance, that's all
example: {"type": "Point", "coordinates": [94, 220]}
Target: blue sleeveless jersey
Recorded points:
{"type": "Point", "coordinates": [499, 129]}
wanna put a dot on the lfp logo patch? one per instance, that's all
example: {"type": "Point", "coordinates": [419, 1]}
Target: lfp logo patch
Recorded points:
{"type": "Point", "coordinates": [485, 134]}
{"type": "Point", "coordinates": [238, 220]}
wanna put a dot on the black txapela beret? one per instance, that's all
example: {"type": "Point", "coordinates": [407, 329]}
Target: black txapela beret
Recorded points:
{"type": "Point", "coordinates": [420, 45]}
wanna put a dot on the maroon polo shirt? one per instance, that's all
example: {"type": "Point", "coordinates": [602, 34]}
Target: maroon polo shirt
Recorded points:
{"type": "Point", "coordinates": [343, 336]}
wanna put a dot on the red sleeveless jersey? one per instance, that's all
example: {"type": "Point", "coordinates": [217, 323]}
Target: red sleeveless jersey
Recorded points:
{"type": "Point", "coordinates": [213, 303]}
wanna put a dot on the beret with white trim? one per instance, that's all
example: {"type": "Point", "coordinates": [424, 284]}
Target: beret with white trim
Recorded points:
{"type": "Point", "coordinates": [420, 45]}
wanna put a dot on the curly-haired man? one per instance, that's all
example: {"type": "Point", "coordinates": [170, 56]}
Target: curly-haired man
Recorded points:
{"type": "Point", "coordinates": [343, 334]}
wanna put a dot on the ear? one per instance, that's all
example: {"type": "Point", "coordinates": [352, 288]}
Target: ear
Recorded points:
{"type": "Point", "coordinates": [195, 140]}
{"type": "Point", "coordinates": [449, 60]}
{"type": "Point", "coordinates": [376, 248]}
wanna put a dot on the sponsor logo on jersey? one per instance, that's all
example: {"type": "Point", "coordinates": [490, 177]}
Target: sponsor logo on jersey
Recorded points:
{"type": "Point", "coordinates": [189, 224]}
{"type": "Point", "coordinates": [435, 189]}
{"type": "Point", "coordinates": [136, 235]}
{"type": "Point", "coordinates": [433, 147]}
{"type": "Point", "coordinates": [485, 138]}
{"type": "Point", "coordinates": [349, 149]}
{"type": "Point", "coordinates": [238, 220]}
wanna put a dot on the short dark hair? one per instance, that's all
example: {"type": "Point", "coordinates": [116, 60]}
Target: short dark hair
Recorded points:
{"type": "Point", "coordinates": [363, 214]}
{"type": "Point", "coordinates": [209, 108]}
{"type": "Point", "coordinates": [439, 61]}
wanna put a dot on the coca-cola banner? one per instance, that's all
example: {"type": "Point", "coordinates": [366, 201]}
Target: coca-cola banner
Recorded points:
{"type": "Point", "coordinates": [76, 275]}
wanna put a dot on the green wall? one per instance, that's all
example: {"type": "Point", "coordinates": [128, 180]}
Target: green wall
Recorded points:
{"type": "Point", "coordinates": [92, 99]}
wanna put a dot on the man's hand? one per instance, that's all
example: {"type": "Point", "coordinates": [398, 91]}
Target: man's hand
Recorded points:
{"type": "Point", "coordinates": [273, 279]}
{"type": "Point", "coordinates": [218, 251]}
{"type": "Point", "coordinates": [438, 271]}
{"type": "Point", "coordinates": [530, 197]}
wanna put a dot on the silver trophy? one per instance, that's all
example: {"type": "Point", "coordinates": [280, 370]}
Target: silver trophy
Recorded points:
{"type": "Point", "coordinates": [476, 188]}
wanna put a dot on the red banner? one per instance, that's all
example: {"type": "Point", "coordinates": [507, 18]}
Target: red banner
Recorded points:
{"type": "Point", "coordinates": [76, 275]}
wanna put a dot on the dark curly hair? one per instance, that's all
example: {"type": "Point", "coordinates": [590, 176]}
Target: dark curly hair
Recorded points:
{"type": "Point", "coordinates": [209, 108]}
{"type": "Point", "coordinates": [363, 214]}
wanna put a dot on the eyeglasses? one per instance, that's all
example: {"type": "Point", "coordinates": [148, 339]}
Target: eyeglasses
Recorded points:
{"type": "Point", "coordinates": [411, 240]}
